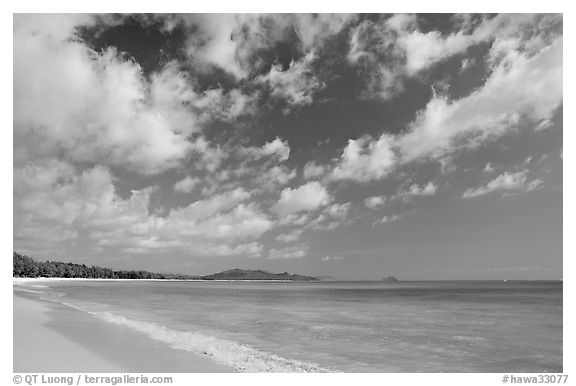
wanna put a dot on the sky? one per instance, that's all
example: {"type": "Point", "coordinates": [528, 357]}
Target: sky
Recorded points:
{"type": "Point", "coordinates": [426, 147]}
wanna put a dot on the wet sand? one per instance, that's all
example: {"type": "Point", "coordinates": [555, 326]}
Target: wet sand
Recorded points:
{"type": "Point", "coordinates": [51, 337]}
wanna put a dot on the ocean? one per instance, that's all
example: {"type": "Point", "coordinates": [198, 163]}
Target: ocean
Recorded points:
{"type": "Point", "coordinates": [458, 326]}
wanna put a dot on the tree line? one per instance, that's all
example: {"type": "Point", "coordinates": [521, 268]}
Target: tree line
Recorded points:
{"type": "Point", "coordinates": [25, 266]}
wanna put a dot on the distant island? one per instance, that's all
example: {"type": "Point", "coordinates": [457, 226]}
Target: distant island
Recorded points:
{"type": "Point", "coordinates": [25, 266]}
{"type": "Point", "coordinates": [246, 274]}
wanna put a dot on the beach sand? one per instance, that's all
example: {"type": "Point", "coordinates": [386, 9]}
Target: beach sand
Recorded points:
{"type": "Point", "coordinates": [51, 337]}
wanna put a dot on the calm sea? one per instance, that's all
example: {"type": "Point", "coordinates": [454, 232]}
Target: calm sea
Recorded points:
{"type": "Point", "coordinates": [342, 326]}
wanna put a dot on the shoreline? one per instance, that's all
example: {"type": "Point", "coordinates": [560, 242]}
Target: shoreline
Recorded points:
{"type": "Point", "coordinates": [19, 280]}
{"type": "Point", "coordinates": [52, 337]}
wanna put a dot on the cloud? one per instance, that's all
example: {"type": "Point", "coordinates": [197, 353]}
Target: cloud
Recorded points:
{"type": "Point", "coordinates": [506, 182]}
{"type": "Point", "coordinates": [364, 159]}
{"type": "Point", "coordinates": [338, 210]}
{"type": "Point", "coordinates": [295, 86]}
{"type": "Point", "coordinates": [416, 190]}
{"type": "Point", "coordinates": [488, 168]}
{"type": "Point", "coordinates": [205, 208]}
{"type": "Point", "coordinates": [186, 185]}
{"type": "Point", "coordinates": [375, 202]}
{"type": "Point", "coordinates": [422, 50]}
{"type": "Point", "coordinates": [376, 59]}
{"type": "Point", "coordinates": [249, 249]}
{"type": "Point", "coordinates": [307, 197]}
{"type": "Point", "coordinates": [274, 177]}
{"type": "Point", "coordinates": [64, 203]}
{"type": "Point", "coordinates": [294, 252]}
{"type": "Point", "coordinates": [53, 198]}
{"type": "Point", "coordinates": [391, 218]}
{"type": "Point", "coordinates": [313, 29]}
{"type": "Point", "coordinates": [290, 237]}
{"type": "Point", "coordinates": [519, 86]}
{"type": "Point", "coordinates": [278, 149]}
{"type": "Point", "coordinates": [312, 170]}
{"type": "Point", "coordinates": [92, 107]}
{"type": "Point", "coordinates": [97, 107]}
{"type": "Point", "coordinates": [219, 40]}
{"type": "Point", "coordinates": [331, 258]}
{"type": "Point", "coordinates": [235, 42]}
{"type": "Point", "coordinates": [390, 50]}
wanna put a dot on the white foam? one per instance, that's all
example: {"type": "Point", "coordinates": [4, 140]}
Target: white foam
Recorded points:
{"type": "Point", "coordinates": [239, 356]}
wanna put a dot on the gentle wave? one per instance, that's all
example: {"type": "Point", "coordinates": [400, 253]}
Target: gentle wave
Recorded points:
{"type": "Point", "coordinates": [239, 356]}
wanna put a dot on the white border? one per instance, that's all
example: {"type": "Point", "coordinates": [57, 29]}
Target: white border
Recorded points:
{"type": "Point", "coordinates": [303, 6]}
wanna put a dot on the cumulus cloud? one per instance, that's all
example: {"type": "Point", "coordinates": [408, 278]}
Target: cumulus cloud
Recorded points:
{"type": "Point", "coordinates": [506, 182]}
{"type": "Point", "coordinates": [186, 185]}
{"type": "Point", "coordinates": [388, 51]}
{"type": "Point", "coordinates": [219, 40]}
{"type": "Point", "coordinates": [416, 190]}
{"type": "Point", "coordinates": [375, 202]}
{"type": "Point", "coordinates": [56, 199]}
{"type": "Point", "coordinates": [391, 218]}
{"type": "Point", "coordinates": [295, 86]}
{"type": "Point", "coordinates": [313, 29]}
{"type": "Point", "coordinates": [422, 50]}
{"type": "Point", "coordinates": [307, 197]}
{"type": "Point", "coordinates": [312, 170]}
{"type": "Point", "coordinates": [365, 160]}
{"type": "Point", "coordinates": [293, 252]}
{"type": "Point", "coordinates": [274, 177]}
{"type": "Point", "coordinates": [488, 168]}
{"type": "Point", "coordinates": [331, 258]}
{"type": "Point", "coordinates": [235, 42]}
{"type": "Point", "coordinates": [92, 107]}
{"type": "Point", "coordinates": [338, 210]}
{"type": "Point", "coordinates": [277, 149]}
{"type": "Point", "coordinates": [290, 237]}
{"type": "Point", "coordinates": [518, 86]}
{"type": "Point", "coordinates": [97, 107]}
{"type": "Point", "coordinates": [378, 61]}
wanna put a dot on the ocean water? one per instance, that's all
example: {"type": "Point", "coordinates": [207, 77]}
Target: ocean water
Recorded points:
{"type": "Point", "coordinates": [459, 326]}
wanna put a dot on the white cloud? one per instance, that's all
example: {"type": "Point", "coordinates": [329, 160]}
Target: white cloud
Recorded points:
{"type": "Point", "coordinates": [186, 185]}
{"type": "Point", "coordinates": [332, 258]}
{"type": "Point", "coordinates": [249, 249]}
{"type": "Point", "coordinates": [518, 86]}
{"type": "Point", "coordinates": [364, 159]}
{"type": "Point", "coordinates": [338, 210]}
{"type": "Point", "coordinates": [506, 182]}
{"type": "Point", "coordinates": [312, 170]}
{"type": "Point", "coordinates": [91, 107]}
{"type": "Point", "coordinates": [375, 202]}
{"type": "Point", "coordinates": [488, 168]}
{"type": "Point", "coordinates": [294, 252]}
{"type": "Point", "coordinates": [307, 197]}
{"type": "Point", "coordinates": [274, 177]}
{"type": "Point", "coordinates": [374, 54]}
{"type": "Point", "coordinates": [210, 206]}
{"type": "Point", "coordinates": [416, 190]}
{"type": "Point", "coordinates": [97, 107]}
{"type": "Point", "coordinates": [313, 29]}
{"type": "Point", "coordinates": [422, 50]}
{"type": "Point", "coordinates": [296, 85]}
{"type": "Point", "coordinates": [278, 149]}
{"type": "Point", "coordinates": [392, 218]}
{"type": "Point", "coordinates": [219, 40]}
{"type": "Point", "coordinates": [290, 237]}
{"type": "Point", "coordinates": [56, 200]}
{"type": "Point", "coordinates": [233, 42]}
{"type": "Point", "coordinates": [387, 52]}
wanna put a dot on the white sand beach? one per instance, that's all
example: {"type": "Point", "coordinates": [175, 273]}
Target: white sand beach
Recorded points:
{"type": "Point", "coordinates": [50, 337]}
